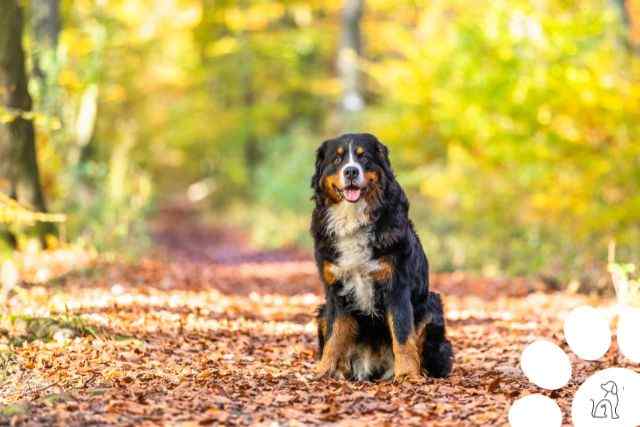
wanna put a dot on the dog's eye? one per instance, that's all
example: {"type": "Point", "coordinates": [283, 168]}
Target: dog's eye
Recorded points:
{"type": "Point", "coordinates": [337, 160]}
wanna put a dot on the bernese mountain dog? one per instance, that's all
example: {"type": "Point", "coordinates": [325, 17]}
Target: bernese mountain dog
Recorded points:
{"type": "Point", "coordinates": [379, 321]}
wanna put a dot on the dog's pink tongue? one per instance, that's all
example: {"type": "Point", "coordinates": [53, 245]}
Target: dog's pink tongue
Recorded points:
{"type": "Point", "coordinates": [351, 194]}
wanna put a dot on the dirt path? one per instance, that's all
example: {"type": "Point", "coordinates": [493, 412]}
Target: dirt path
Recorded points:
{"type": "Point", "coordinates": [207, 330]}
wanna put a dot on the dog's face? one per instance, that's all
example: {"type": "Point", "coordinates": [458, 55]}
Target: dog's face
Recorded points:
{"type": "Point", "coordinates": [350, 168]}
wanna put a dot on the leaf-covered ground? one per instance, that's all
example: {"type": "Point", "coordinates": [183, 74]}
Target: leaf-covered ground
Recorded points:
{"type": "Point", "coordinates": [206, 330]}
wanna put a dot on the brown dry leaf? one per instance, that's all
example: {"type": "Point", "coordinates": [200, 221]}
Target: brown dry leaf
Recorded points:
{"type": "Point", "coordinates": [209, 331]}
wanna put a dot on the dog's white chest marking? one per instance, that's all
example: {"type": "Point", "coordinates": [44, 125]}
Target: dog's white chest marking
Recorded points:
{"type": "Point", "coordinates": [351, 226]}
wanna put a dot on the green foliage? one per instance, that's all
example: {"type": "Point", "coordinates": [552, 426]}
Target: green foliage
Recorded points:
{"type": "Point", "coordinates": [626, 282]}
{"type": "Point", "coordinates": [520, 124]}
{"type": "Point", "coordinates": [14, 409]}
{"type": "Point", "coordinates": [112, 203]}
{"type": "Point", "coordinates": [30, 328]}
{"type": "Point", "coordinates": [12, 212]}
{"type": "Point", "coordinates": [282, 193]}
{"type": "Point", "coordinates": [8, 362]}
{"type": "Point", "coordinates": [512, 125]}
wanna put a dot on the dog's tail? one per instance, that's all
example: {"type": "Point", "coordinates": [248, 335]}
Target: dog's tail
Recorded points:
{"type": "Point", "coordinates": [321, 318]}
{"type": "Point", "coordinates": [437, 352]}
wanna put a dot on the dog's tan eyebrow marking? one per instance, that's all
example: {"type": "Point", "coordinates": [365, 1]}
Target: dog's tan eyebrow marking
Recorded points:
{"type": "Point", "coordinates": [340, 151]}
{"type": "Point", "coordinates": [359, 150]}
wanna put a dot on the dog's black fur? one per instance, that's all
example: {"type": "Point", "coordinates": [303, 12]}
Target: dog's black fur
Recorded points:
{"type": "Point", "coordinates": [400, 293]}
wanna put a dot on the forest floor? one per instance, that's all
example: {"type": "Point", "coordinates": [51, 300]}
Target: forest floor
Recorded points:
{"type": "Point", "coordinates": [205, 330]}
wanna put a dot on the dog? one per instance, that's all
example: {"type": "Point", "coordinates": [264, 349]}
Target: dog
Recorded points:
{"type": "Point", "coordinates": [607, 407]}
{"type": "Point", "coordinates": [380, 320]}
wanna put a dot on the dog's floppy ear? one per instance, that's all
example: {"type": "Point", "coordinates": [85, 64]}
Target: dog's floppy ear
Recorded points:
{"type": "Point", "coordinates": [320, 156]}
{"type": "Point", "coordinates": [395, 198]}
{"type": "Point", "coordinates": [382, 152]}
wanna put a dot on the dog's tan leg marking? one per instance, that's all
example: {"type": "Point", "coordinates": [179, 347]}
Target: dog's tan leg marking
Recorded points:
{"type": "Point", "coordinates": [328, 274]}
{"type": "Point", "coordinates": [322, 322]}
{"type": "Point", "coordinates": [406, 359]}
{"type": "Point", "coordinates": [421, 331]}
{"type": "Point", "coordinates": [342, 337]}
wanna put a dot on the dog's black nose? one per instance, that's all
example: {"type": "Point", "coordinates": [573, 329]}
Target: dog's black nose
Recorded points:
{"type": "Point", "coordinates": [351, 172]}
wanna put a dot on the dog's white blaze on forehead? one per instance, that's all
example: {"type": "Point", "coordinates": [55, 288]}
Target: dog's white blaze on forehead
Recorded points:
{"type": "Point", "coordinates": [352, 162]}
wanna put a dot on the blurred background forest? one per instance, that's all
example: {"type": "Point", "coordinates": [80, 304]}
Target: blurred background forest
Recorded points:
{"type": "Point", "coordinates": [514, 125]}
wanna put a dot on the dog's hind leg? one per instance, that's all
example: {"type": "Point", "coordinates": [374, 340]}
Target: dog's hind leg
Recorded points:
{"type": "Point", "coordinates": [321, 318]}
{"type": "Point", "coordinates": [437, 352]}
{"type": "Point", "coordinates": [400, 320]}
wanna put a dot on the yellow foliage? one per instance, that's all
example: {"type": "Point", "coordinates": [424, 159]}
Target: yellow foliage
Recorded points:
{"type": "Point", "coordinates": [513, 126]}
{"type": "Point", "coordinates": [12, 212]}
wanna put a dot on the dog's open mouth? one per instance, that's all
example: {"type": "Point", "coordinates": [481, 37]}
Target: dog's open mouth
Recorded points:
{"type": "Point", "coordinates": [351, 193]}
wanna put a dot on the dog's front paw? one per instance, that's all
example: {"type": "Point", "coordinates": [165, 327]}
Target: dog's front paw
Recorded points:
{"type": "Point", "coordinates": [325, 373]}
{"type": "Point", "coordinates": [406, 367]}
{"type": "Point", "coordinates": [325, 369]}
{"type": "Point", "coordinates": [407, 376]}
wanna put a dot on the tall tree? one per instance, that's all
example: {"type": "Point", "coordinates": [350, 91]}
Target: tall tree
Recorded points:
{"type": "Point", "coordinates": [18, 161]}
{"type": "Point", "coordinates": [348, 54]}
{"type": "Point", "coordinates": [46, 19]}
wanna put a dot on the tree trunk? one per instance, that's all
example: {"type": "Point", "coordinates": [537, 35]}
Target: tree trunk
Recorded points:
{"type": "Point", "coordinates": [253, 154]}
{"type": "Point", "coordinates": [46, 28]}
{"type": "Point", "coordinates": [18, 162]}
{"type": "Point", "coordinates": [46, 22]}
{"type": "Point", "coordinates": [348, 54]}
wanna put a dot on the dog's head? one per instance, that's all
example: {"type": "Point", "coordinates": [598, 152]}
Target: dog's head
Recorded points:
{"type": "Point", "coordinates": [610, 387]}
{"type": "Point", "coordinates": [351, 168]}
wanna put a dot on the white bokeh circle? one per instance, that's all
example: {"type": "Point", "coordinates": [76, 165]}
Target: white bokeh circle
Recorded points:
{"type": "Point", "coordinates": [546, 365]}
{"type": "Point", "coordinates": [588, 332]}
{"type": "Point", "coordinates": [628, 337]}
{"type": "Point", "coordinates": [535, 410]}
{"type": "Point", "coordinates": [608, 398]}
